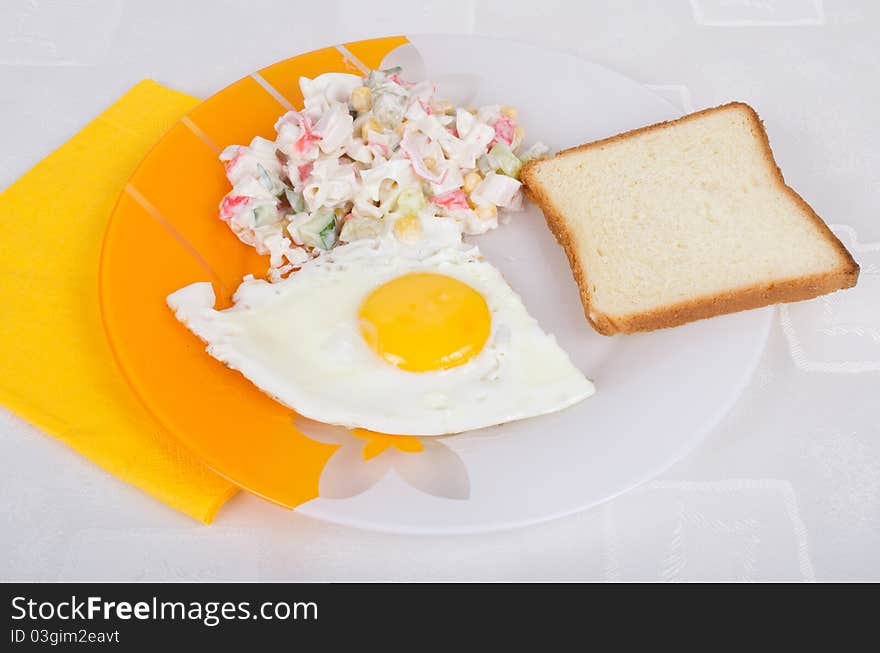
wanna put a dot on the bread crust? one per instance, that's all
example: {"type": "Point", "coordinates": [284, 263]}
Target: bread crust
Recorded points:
{"type": "Point", "coordinates": [731, 301]}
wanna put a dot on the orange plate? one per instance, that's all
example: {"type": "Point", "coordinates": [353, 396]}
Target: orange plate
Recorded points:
{"type": "Point", "coordinates": [164, 234]}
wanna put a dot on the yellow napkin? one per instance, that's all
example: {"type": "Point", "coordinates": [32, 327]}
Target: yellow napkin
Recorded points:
{"type": "Point", "coordinates": [56, 369]}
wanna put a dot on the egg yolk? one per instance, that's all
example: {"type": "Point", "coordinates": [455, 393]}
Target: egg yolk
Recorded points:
{"type": "Point", "coordinates": [424, 321]}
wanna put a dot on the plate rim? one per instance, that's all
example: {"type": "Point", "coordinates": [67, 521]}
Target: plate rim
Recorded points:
{"type": "Point", "coordinates": [308, 509]}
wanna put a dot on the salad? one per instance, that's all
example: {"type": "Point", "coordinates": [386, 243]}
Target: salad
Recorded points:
{"type": "Point", "coordinates": [370, 155]}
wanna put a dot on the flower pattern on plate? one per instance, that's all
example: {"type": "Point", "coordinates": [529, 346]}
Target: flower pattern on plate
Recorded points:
{"type": "Point", "coordinates": [364, 458]}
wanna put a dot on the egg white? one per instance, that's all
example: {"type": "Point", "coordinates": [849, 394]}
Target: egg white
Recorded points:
{"type": "Point", "coordinates": [299, 341]}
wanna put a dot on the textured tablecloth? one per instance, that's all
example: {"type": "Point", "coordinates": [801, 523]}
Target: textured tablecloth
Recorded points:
{"type": "Point", "coordinates": [787, 488]}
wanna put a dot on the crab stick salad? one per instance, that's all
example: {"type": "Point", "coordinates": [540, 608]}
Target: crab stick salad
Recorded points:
{"type": "Point", "coordinates": [367, 157]}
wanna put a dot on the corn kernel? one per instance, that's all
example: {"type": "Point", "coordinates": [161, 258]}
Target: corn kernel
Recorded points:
{"type": "Point", "coordinates": [510, 112]}
{"type": "Point", "coordinates": [430, 163]}
{"type": "Point", "coordinates": [407, 229]}
{"type": "Point", "coordinates": [518, 135]}
{"type": "Point", "coordinates": [361, 99]}
{"type": "Point", "coordinates": [444, 107]}
{"type": "Point", "coordinates": [486, 211]}
{"type": "Point", "coordinates": [370, 125]}
{"type": "Point", "coordinates": [471, 181]}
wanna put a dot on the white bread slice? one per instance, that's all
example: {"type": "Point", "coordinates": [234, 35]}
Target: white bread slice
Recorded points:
{"type": "Point", "coordinates": [684, 220]}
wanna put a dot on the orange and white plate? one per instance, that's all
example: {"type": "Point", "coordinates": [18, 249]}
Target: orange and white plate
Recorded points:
{"type": "Point", "coordinates": [658, 394]}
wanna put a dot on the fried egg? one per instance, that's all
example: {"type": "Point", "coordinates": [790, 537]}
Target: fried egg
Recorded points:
{"type": "Point", "coordinates": [394, 337]}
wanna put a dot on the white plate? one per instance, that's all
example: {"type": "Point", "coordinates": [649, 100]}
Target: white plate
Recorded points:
{"type": "Point", "coordinates": [658, 394]}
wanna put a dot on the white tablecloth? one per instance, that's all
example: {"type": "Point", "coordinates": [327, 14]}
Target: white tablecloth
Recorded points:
{"type": "Point", "coordinates": [787, 488]}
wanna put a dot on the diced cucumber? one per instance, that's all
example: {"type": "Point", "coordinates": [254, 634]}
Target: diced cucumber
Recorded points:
{"type": "Point", "coordinates": [411, 200]}
{"type": "Point", "coordinates": [265, 179]}
{"type": "Point", "coordinates": [295, 199]}
{"type": "Point", "coordinates": [536, 151]}
{"type": "Point", "coordinates": [265, 214]}
{"type": "Point", "coordinates": [504, 160]}
{"type": "Point", "coordinates": [320, 231]}
{"type": "Point", "coordinates": [328, 234]}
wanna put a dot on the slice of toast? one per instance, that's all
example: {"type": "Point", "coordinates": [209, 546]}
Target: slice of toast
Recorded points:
{"type": "Point", "coordinates": [684, 220]}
